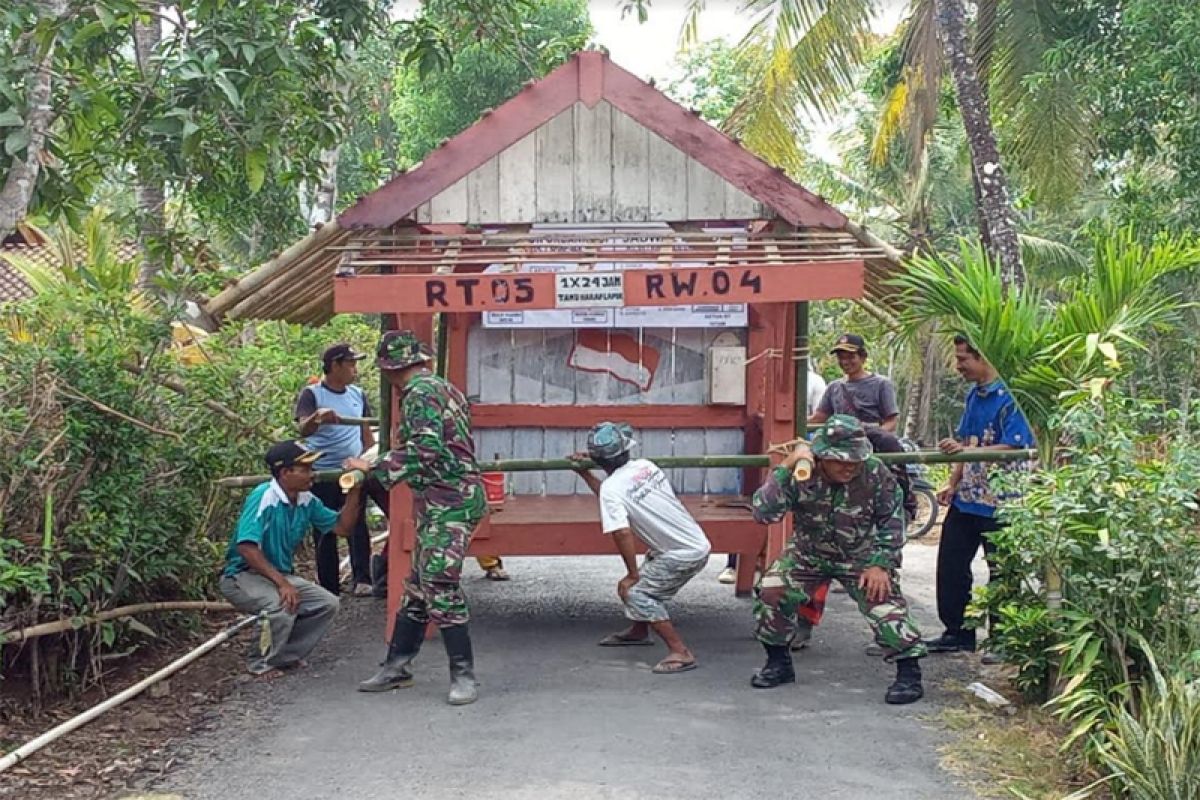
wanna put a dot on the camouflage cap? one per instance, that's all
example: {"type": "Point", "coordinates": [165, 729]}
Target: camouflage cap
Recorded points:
{"type": "Point", "coordinates": [610, 439]}
{"type": "Point", "coordinates": [842, 438]}
{"type": "Point", "coordinates": [400, 349]}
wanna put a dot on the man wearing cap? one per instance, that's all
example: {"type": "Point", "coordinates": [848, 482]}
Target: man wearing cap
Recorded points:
{"type": "Point", "coordinates": [869, 398]}
{"type": "Point", "coordinates": [259, 574]}
{"type": "Point", "coordinates": [436, 458]}
{"type": "Point", "coordinates": [849, 526]}
{"type": "Point", "coordinates": [319, 410]}
{"type": "Point", "coordinates": [636, 499]}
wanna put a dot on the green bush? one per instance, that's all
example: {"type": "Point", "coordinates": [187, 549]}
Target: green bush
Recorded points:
{"type": "Point", "coordinates": [106, 488]}
{"type": "Point", "coordinates": [1155, 754]}
{"type": "Point", "coordinates": [1117, 520]}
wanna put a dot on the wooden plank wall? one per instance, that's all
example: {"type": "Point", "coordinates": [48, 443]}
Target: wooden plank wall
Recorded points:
{"type": "Point", "coordinates": [590, 165]}
{"type": "Point", "coordinates": [531, 366]}
{"type": "Point", "coordinates": [556, 443]}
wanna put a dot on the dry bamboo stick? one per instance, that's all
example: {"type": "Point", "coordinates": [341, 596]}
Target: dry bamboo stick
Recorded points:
{"type": "Point", "coordinates": [74, 623]}
{"type": "Point", "coordinates": [248, 285]}
{"type": "Point", "coordinates": [181, 390]}
{"type": "Point", "coordinates": [77, 395]}
{"type": "Point", "coordinates": [29, 748]}
{"type": "Point", "coordinates": [686, 261]}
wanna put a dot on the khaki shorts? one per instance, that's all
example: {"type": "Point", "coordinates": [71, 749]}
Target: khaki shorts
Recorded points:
{"type": "Point", "coordinates": [661, 579]}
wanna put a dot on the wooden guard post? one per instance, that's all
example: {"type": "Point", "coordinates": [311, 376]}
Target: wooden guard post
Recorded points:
{"type": "Point", "coordinates": [530, 212]}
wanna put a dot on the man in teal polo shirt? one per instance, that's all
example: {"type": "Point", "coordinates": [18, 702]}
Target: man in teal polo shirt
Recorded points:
{"type": "Point", "coordinates": [259, 572]}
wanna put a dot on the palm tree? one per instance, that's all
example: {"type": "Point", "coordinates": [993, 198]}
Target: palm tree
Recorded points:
{"type": "Point", "coordinates": [1052, 349]}
{"type": "Point", "coordinates": [814, 49]}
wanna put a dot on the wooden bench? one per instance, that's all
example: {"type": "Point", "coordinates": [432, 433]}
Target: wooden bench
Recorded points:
{"type": "Point", "coordinates": [570, 525]}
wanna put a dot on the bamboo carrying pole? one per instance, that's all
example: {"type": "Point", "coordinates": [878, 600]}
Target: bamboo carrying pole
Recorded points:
{"type": "Point", "coordinates": [15, 635]}
{"type": "Point", "coordinates": [670, 462]}
{"type": "Point", "coordinates": [29, 748]}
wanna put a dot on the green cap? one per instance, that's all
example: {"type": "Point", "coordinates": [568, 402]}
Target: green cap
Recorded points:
{"type": "Point", "coordinates": [400, 349]}
{"type": "Point", "coordinates": [842, 438]}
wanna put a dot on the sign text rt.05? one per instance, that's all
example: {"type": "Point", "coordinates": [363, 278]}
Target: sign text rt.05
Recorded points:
{"type": "Point", "coordinates": [641, 287]}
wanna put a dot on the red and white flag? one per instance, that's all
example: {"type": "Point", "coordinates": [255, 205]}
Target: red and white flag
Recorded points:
{"type": "Point", "coordinates": [617, 354]}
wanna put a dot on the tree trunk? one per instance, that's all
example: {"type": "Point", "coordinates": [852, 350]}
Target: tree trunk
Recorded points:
{"type": "Point", "coordinates": [918, 423]}
{"type": "Point", "coordinates": [17, 192]}
{"type": "Point", "coordinates": [324, 199]}
{"type": "Point", "coordinates": [931, 373]}
{"type": "Point", "coordinates": [151, 195]}
{"type": "Point", "coordinates": [998, 227]}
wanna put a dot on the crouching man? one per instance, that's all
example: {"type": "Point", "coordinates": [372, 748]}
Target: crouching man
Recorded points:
{"type": "Point", "coordinates": [636, 499]}
{"type": "Point", "coordinates": [849, 526]}
{"type": "Point", "coordinates": [258, 575]}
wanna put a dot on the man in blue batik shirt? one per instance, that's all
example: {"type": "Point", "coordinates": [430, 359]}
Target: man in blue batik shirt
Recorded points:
{"type": "Point", "coordinates": [990, 421]}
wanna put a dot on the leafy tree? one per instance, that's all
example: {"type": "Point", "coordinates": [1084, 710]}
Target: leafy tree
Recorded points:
{"type": "Point", "coordinates": [814, 52]}
{"type": "Point", "coordinates": [1136, 60]}
{"type": "Point", "coordinates": [201, 103]}
{"type": "Point", "coordinates": [712, 79]}
{"type": "Point", "coordinates": [429, 106]}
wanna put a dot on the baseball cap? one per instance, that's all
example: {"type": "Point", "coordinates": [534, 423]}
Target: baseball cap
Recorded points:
{"type": "Point", "coordinates": [289, 453]}
{"type": "Point", "coordinates": [340, 352]}
{"type": "Point", "coordinates": [610, 439]}
{"type": "Point", "coordinates": [842, 438]}
{"type": "Point", "coordinates": [849, 343]}
{"type": "Point", "coordinates": [400, 349]}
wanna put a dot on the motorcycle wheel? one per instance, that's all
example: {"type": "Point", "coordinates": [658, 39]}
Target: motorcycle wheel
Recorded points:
{"type": "Point", "coordinates": [927, 513]}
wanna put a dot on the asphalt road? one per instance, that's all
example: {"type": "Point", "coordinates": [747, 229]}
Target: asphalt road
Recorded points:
{"type": "Point", "coordinates": [560, 717]}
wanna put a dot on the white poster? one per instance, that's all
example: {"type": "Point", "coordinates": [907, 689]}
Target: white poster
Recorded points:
{"type": "Point", "coordinates": [595, 302]}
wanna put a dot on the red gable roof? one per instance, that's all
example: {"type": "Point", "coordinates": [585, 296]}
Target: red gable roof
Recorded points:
{"type": "Point", "coordinates": [590, 77]}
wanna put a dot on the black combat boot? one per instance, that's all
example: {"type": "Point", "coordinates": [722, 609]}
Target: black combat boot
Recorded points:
{"type": "Point", "coordinates": [778, 669]}
{"type": "Point", "coordinates": [407, 636]}
{"type": "Point", "coordinates": [463, 687]}
{"type": "Point", "coordinates": [907, 687]}
{"type": "Point", "coordinates": [379, 575]}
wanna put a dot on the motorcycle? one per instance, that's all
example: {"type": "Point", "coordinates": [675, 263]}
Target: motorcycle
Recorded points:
{"type": "Point", "coordinates": [924, 493]}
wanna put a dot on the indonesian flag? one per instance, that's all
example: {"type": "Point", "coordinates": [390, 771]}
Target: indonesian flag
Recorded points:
{"type": "Point", "coordinates": [618, 354]}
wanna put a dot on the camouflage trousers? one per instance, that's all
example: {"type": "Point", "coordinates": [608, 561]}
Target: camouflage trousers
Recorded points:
{"type": "Point", "coordinates": [795, 577]}
{"type": "Point", "coordinates": [433, 591]}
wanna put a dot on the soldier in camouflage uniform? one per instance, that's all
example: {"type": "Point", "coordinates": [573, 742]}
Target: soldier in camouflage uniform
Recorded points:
{"type": "Point", "coordinates": [437, 461]}
{"type": "Point", "coordinates": [849, 526]}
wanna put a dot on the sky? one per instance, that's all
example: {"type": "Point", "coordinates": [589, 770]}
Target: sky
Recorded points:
{"type": "Point", "coordinates": [648, 49]}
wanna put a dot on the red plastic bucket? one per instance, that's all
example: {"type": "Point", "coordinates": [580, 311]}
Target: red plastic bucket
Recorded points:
{"type": "Point", "coordinates": [493, 487]}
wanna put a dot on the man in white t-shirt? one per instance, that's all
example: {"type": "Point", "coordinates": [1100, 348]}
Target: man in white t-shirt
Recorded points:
{"type": "Point", "coordinates": [637, 499]}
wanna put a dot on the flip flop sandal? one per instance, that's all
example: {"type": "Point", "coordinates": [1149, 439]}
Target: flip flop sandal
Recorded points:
{"type": "Point", "coordinates": [617, 640]}
{"type": "Point", "coordinates": [670, 666]}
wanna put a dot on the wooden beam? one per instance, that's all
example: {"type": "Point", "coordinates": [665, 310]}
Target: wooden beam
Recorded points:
{"type": "Point", "coordinates": [826, 280]}
{"type": "Point", "coordinates": [573, 416]}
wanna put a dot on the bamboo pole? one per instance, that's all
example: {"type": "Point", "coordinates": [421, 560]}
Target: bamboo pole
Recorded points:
{"type": "Point", "coordinates": [743, 461]}
{"type": "Point", "coordinates": [701, 462]}
{"type": "Point", "coordinates": [250, 481]}
{"type": "Point", "coordinates": [29, 748]}
{"type": "Point", "coordinates": [358, 420]}
{"type": "Point", "coordinates": [15, 635]}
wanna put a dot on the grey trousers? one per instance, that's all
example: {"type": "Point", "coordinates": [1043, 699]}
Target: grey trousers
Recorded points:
{"type": "Point", "coordinates": [293, 636]}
